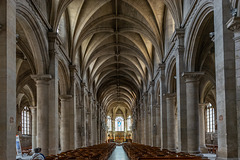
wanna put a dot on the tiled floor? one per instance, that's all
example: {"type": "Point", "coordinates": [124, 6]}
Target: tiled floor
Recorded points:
{"type": "Point", "coordinates": [118, 154]}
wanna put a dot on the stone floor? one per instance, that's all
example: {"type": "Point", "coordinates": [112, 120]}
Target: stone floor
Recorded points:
{"type": "Point", "coordinates": [210, 156]}
{"type": "Point", "coordinates": [118, 154]}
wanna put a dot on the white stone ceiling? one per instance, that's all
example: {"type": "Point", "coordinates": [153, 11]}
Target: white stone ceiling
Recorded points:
{"type": "Point", "coordinates": [114, 43]}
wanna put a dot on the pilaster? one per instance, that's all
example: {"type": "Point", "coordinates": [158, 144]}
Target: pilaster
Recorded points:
{"type": "Point", "coordinates": [65, 123]}
{"type": "Point", "coordinates": [163, 108]}
{"type": "Point", "coordinates": [34, 126]}
{"type": "Point", "coordinates": [234, 25]}
{"type": "Point", "coordinates": [170, 103]}
{"type": "Point", "coordinates": [8, 79]}
{"type": "Point", "coordinates": [225, 83]}
{"type": "Point", "coordinates": [181, 90]}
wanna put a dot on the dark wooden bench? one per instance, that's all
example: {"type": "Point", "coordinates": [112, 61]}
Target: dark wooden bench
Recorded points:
{"type": "Point", "coordinates": [212, 148]}
{"type": "Point", "coordinates": [27, 150]}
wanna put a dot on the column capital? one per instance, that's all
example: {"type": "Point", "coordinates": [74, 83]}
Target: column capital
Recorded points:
{"type": "Point", "coordinates": [43, 77]}
{"type": "Point", "coordinates": [161, 66]}
{"type": "Point", "coordinates": [202, 105]}
{"type": "Point", "coordinates": [89, 94]}
{"type": "Point", "coordinates": [179, 32]}
{"type": "Point", "coordinates": [234, 24]}
{"type": "Point", "coordinates": [65, 97]}
{"type": "Point", "coordinates": [170, 95]}
{"type": "Point", "coordinates": [54, 37]}
{"type": "Point", "coordinates": [83, 84]}
{"type": "Point", "coordinates": [192, 76]}
{"type": "Point", "coordinates": [73, 68]}
{"type": "Point", "coordinates": [145, 93]}
{"type": "Point", "coordinates": [33, 108]}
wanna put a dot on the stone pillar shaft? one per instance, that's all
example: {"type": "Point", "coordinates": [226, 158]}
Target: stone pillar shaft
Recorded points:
{"type": "Point", "coordinates": [53, 89]}
{"type": "Point", "coordinates": [65, 121]}
{"type": "Point", "coordinates": [192, 94]}
{"type": "Point", "coordinates": [170, 103]}
{"type": "Point", "coordinates": [146, 119]}
{"type": "Point", "coordinates": [143, 132]}
{"type": "Point", "coordinates": [225, 83]}
{"type": "Point", "coordinates": [34, 127]}
{"type": "Point", "coordinates": [163, 109]}
{"type": "Point", "coordinates": [234, 25]}
{"type": "Point", "coordinates": [83, 115]}
{"type": "Point", "coordinates": [202, 126]}
{"type": "Point", "coordinates": [153, 116]}
{"type": "Point", "coordinates": [42, 84]}
{"type": "Point", "coordinates": [181, 92]}
{"type": "Point", "coordinates": [8, 79]}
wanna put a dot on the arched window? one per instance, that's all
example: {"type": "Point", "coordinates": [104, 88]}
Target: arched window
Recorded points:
{"type": "Point", "coordinates": [119, 124]}
{"type": "Point", "coordinates": [26, 120]}
{"type": "Point", "coordinates": [109, 123]}
{"type": "Point", "coordinates": [129, 124]}
{"type": "Point", "coordinates": [210, 118]}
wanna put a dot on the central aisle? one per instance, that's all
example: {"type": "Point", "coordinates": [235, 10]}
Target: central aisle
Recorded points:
{"type": "Point", "coordinates": [119, 154]}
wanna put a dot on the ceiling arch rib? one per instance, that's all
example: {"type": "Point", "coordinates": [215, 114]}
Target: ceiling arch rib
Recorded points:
{"type": "Point", "coordinates": [115, 42]}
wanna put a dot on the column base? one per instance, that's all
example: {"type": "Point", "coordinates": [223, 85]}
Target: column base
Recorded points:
{"type": "Point", "coordinates": [203, 149]}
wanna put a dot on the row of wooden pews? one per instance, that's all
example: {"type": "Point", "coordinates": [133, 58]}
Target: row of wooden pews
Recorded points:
{"type": "Point", "coordinates": [143, 152]}
{"type": "Point", "coordinates": [96, 152]}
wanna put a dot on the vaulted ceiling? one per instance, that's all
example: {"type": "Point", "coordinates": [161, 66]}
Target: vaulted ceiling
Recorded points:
{"type": "Point", "coordinates": [114, 43]}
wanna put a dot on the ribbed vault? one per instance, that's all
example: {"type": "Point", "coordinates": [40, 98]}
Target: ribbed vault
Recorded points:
{"type": "Point", "coordinates": [113, 42]}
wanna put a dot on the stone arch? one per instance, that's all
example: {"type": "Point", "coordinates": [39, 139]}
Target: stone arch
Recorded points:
{"type": "Point", "coordinates": [170, 73]}
{"type": "Point", "coordinates": [35, 39]}
{"type": "Point", "coordinates": [204, 13]}
{"type": "Point", "coordinates": [64, 81]}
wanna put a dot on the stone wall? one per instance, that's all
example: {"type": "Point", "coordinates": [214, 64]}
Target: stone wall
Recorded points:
{"type": "Point", "coordinates": [211, 138]}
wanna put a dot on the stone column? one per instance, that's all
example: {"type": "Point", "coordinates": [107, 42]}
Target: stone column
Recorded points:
{"type": "Point", "coordinates": [34, 127]}
{"type": "Point", "coordinates": [157, 127]}
{"type": "Point", "coordinates": [146, 119]}
{"type": "Point", "coordinates": [139, 124]}
{"type": "Point", "coordinates": [99, 123]}
{"type": "Point", "coordinates": [234, 25]}
{"type": "Point", "coordinates": [225, 83]}
{"type": "Point", "coordinates": [42, 84]}
{"type": "Point", "coordinates": [192, 94]}
{"type": "Point", "coordinates": [125, 128]}
{"type": "Point", "coordinates": [170, 103]}
{"type": "Point", "coordinates": [65, 122]}
{"type": "Point", "coordinates": [8, 79]}
{"type": "Point", "coordinates": [181, 91]}
{"type": "Point", "coordinates": [113, 128]}
{"type": "Point", "coordinates": [152, 115]}
{"type": "Point", "coordinates": [163, 108]}
{"type": "Point", "coordinates": [75, 104]}
{"type": "Point", "coordinates": [54, 43]}
{"type": "Point", "coordinates": [202, 131]}
{"type": "Point", "coordinates": [94, 122]}
{"type": "Point", "coordinates": [83, 115]}
{"type": "Point", "coordinates": [143, 132]}
{"type": "Point", "coordinates": [90, 124]}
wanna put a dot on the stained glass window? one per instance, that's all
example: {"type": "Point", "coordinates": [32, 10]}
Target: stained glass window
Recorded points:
{"type": "Point", "coordinates": [210, 118]}
{"type": "Point", "coordinates": [119, 124]}
{"type": "Point", "coordinates": [26, 120]}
